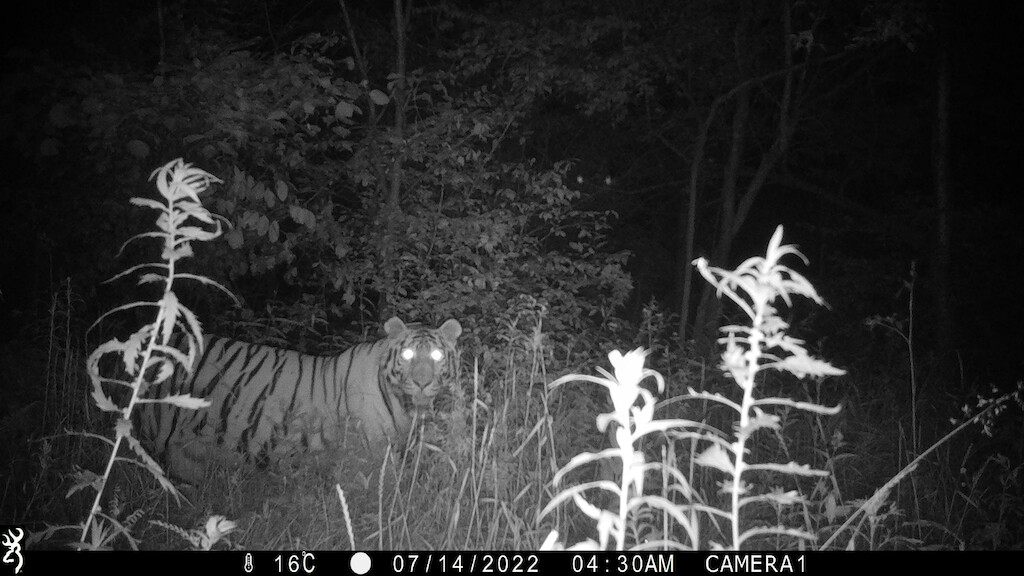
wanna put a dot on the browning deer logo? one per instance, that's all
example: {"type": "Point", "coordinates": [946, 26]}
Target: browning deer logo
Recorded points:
{"type": "Point", "coordinates": [13, 544]}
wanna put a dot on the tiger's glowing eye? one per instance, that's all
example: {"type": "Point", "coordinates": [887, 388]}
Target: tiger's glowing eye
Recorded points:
{"type": "Point", "coordinates": [408, 354]}
{"type": "Point", "coordinates": [436, 355]}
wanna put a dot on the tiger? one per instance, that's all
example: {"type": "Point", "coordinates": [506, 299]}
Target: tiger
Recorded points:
{"type": "Point", "coordinates": [266, 401]}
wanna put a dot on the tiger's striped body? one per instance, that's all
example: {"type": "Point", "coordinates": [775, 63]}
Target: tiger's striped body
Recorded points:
{"type": "Point", "coordinates": [267, 401]}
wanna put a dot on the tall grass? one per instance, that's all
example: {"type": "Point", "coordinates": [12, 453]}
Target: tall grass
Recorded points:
{"type": "Point", "coordinates": [905, 330]}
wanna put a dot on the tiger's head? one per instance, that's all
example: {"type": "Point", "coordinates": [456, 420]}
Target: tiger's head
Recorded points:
{"type": "Point", "coordinates": [421, 361]}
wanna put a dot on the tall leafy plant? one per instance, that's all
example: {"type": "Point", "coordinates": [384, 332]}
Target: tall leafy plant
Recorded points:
{"type": "Point", "coordinates": [755, 286]}
{"type": "Point", "coordinates": [147, 357]}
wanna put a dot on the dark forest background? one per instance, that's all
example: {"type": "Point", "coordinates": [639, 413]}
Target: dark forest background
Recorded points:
{"type": "Point", "coordinates": [556, 159]}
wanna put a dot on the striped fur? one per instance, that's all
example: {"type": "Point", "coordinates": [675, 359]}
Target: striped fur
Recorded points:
{"type": "Point", "coordinates": [268, 401]}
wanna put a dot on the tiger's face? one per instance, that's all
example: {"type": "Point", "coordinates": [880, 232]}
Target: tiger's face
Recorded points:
{"type": "Point", "coordinates": [420, 361]}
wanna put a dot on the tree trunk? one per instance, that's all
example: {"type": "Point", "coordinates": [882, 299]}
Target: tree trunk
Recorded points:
{"type": "Point", "coordinates": [391, 206]}
{"type": "Point", "coordinates": [735, 208]}
{"type": "Point", "coordinates": [944, 322]}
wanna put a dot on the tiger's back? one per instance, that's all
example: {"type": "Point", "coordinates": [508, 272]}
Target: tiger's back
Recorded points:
{"type": "Point", "coordinates": [268, 401]}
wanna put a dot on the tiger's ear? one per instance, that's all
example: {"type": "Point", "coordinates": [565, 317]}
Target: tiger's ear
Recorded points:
{"type": "Point", "coordinates": [450, 330]}
{"type": "Point", "coordinates": [394, 327]}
